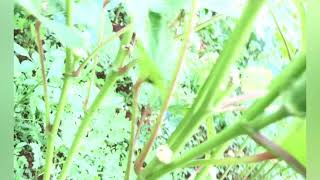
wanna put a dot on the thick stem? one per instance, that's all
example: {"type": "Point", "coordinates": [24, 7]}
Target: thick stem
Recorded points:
{"type": "Point", "coordinates": [180, 61]}
{"type": "Point", "coordinates": [44, 77]}
{"type": "Point", "coordinates": [230, 53]}
{"type": "Point", "coordinates": [282, 82]}
{"type": "Point", "coordinates": [227, 134]}
{"type": "Point", "coordinates": [62, 102]}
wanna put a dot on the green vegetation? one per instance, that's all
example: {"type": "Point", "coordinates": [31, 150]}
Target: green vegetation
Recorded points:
{"type": "Point", "coordinates": [159, 89]}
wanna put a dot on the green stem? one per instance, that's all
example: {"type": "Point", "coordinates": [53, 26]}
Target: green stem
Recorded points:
{"type": "Point", "coordinates": [85, 122]}
{"type": "Point", "coordinates": [210, 133]}
{"type": "Point", "coordinates": [277, 151]}
{"type": "Point", "coordinates": [62, 102]}
{"type": "Point", "coordinates": [220, 138]}
{"type": "Point", "coordinates": [215, 153]}
{"type": "Point", "coordinates": [279, 84]}
{"type": "Point", "coordinates": [134, 111]}
{"type": "Point", "coordinates": [282, 35]}
{"type": "Point", "coordinates": [44, 77]}
{"type": "Point", "coordinates": [231, 161]}
{"type": "Point", "coordinates": [230, 53]}
{"type": "Point", "coordinates": [180, 61]}
{"type": "Point", "coordinates": [261, 122]}
{"type": "Point", "coordinates": [227, 134]}
{"type": "Point", "coordinates": [69, 60]}
{"type": "Point", "coordinates": [122, 53]}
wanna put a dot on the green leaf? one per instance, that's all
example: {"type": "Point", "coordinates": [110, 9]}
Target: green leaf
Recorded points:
{"type": "Point", "coordinates": [295, 142]}
{"type": "Point", "coordinates": [150, 22]}
{"type": "Point", "coordinates": [69, 37]}
{"type": "Point", "coordinates": [20, 50]}
{"type": "Point", "coordinates": [149, 70]}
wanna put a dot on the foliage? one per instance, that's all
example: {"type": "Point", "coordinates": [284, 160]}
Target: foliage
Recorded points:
{"type": "Point", "coordinates": [159, 29]}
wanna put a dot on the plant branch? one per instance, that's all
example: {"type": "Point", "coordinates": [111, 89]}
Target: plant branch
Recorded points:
{"type": "Point", "coordinates": [62, 102]}
{"type": "Point", "coordinates": [180, 60]}
{"type": "Point", "coordinates": [44, 77]}
{"type": "Point", "coordinates": [276, 150]}
{"type": "Point", "coordinates": [231, 161]}
{"type": "Point", "coordinates": [279, 84]}
{"type": "Point", "coordinates": [121, 56]}
{"type": "Point", "coordinates": [85, 122]}
{"type": "Point", "coordinates": [144, 114]}
{"type": "Point", "coordinates": [95, 58]}
{"type": "Point", "coordinates": [134, 110]}
{"type": "Point", "coordinates": [204, 100]}
{"type": "Point", "coordinates": [100, 47]}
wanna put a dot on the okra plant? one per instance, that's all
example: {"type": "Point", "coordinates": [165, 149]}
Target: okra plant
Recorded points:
{"type": "Point", "coordinates": [151, 44]}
